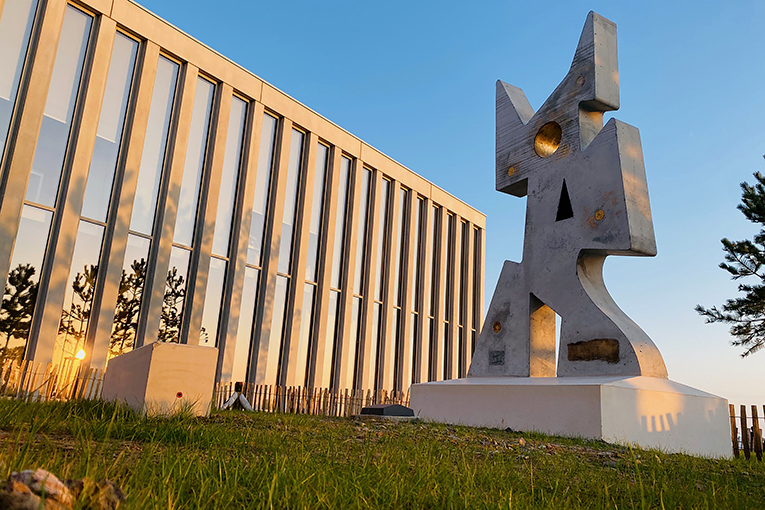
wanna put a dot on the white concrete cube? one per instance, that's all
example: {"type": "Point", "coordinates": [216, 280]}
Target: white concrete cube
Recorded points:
{"type": "Point", "coordinates": [649, 412]}
{"type": "Point", "coordinates": [163, 378]}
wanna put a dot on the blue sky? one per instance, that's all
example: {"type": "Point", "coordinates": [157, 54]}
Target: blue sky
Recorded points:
{"type": "Point", "coordinates": [416, 80]}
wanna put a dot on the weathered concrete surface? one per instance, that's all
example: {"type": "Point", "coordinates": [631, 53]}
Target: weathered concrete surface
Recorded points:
{"type": "Point", "coordinates": [162, 378]}
{"type": "Point", "coordinates": [646, 411]}
{"type": "Point", "coordinates": [587, 198]}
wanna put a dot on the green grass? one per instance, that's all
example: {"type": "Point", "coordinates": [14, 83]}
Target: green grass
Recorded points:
{"type": "Point", "coordinates": [258, 460]}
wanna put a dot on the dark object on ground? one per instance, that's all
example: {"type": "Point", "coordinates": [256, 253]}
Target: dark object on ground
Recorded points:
{"type": "Point", "coordinates": [237, 400]}
{"type": "Point", "coordinates": [40, 489]}
{"type": "Point", "coordinates": [387, 410]}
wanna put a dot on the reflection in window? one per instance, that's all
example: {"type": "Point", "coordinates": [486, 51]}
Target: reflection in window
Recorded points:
{"type": "Point", "coordinates": [305, 339]}
{"type": "Point", "coordinates": [193, 168]}
{"type": "Point", "coordinates": [110, 128]}
{"type": "Point", "coordinates": [154, 147]}
{"type": "Point", "coordinates": [342, 202]}
{"type": "Point", "coordinates": [361, 238]}
{"type": "Point", "coordinates": [262, 185]}
{"type": "Point", "coordinates": [327, 366]}
{"type": "Point", "coordinates": [398, 273]}
{"type": "Point", "coordinates": [171, 317]}
{"type": "Point", "coordinates": [230, 177]}
{"type": "Point", "coordinates": [129, 298]}
{"type": "Point", "coordinates": [208, 336]}
{"type": "Point", "coordinates": [294, 168]}
{"type": "Point", "coordinates": [15, 28]}
{"type": "Point", "coordinates": [477, 260]}
{"type": "Point", "coordinates": [317, 207]}
{"type": "Point", "coordinates": [20, 292]}
{"type": "Point", "coordinates": [275, 345]}
{"type": "Point", "coordinates": [78, 300]}
{"type": "Point", "coordinates": [59, 108]}
{"type": "Point", "coordinates": [244, 331]}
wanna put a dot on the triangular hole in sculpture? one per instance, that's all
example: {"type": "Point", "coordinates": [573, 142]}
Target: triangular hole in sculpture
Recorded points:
{"type": "Point", "coordinates": [564, 205]}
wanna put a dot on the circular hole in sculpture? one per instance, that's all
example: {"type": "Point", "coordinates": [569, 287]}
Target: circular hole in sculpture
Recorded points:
{"type": "Point", "coordinates": [548, 139]}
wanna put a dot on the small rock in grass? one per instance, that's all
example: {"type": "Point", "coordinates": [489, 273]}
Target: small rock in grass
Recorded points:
{"type": "Point", "coordinates": [40, 489]}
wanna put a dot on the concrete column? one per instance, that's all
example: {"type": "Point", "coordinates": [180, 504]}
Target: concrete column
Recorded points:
{"type": "Point", "coordinates": [439, 280]}
{"type": "Point", "coordinates": [167, 209]}
{"type": "Point", "coordinates": [321, 355]}
{"type": "Point", "coordinates": [293, 352]}
{"type": "Point", "coordinates": [229, 327]}
{"type": "Point", "coordinates": [265, 359]}
{"type": "Point", "coordinates": [408, 261]}
{"type": "Point", "coordinates": [366, 369]}
{"type": "Point", "coordinates": [20, 149]}
{"type": "Point", "coordinates": [199, 266]}
{"type": "Point", "coordinates": [422, 347]}
{"type": "Point", "coordinates": [468, 291]}
{"type": "Point", "coordinates": [74, 177]}
{"type": "Point", "coordinates": [121, 208]}
{"type": "Point", "coordinates": [387, 333]}
{"type": "Point", "coordinates": [454, 273]}
{"type": "Point", "coordinates": [346, 354]}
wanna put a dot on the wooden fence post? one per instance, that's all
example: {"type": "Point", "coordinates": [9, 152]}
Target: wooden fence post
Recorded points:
{"type": "Point", "coordinates": [744, 432]}
{"type": "Point", "coordinates": [733, 429]}
{"type": "Point", "coordinates": [756, 433]}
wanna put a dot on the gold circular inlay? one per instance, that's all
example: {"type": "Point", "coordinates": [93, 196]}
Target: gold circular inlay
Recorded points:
{"type": "Point", "coordinates": [497, 327]}
{"type": "Point", "coordinates": [510, 171]}
{"type": "Point", "coordinates": [599, 214]}
{"type": "Point", "coordinates": [548, 139]}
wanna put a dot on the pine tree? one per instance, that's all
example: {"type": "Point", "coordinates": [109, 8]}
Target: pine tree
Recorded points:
{"type": "Point", "coordinates": [128, 308]}
{"type": "Point", "coordinates": [745, 259]}
{"type": "Point", "coordinates": [17, 307]}
{"type": "Point", "coordinates": [172, 307]}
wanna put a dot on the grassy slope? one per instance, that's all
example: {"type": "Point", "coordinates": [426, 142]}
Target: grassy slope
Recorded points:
{"type": "Point", "coordinates": [256, 460]}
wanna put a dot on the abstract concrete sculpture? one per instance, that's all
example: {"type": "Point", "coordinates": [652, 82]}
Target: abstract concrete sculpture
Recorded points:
{"type": "Point", "coordinates": [587, 199]}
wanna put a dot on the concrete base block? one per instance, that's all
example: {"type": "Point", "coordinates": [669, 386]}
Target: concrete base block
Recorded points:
{"type": "Point", "coordinates": [645, 411]}
{"type": "Point", "coordinates": [163, 378]}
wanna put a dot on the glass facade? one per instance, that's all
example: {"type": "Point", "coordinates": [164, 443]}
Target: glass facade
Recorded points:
{"type": "Point", "coordinates": [367, 303]}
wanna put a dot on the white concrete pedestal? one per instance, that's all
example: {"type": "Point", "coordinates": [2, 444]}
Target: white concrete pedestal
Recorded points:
{"type": "Point", "coordinates": [645, 411]}
{"type": "Point", "coordinates": [162, 378]}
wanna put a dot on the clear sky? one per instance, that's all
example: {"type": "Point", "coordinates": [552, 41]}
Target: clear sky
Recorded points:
{"type": "Point", "coordinates": [416, 80]}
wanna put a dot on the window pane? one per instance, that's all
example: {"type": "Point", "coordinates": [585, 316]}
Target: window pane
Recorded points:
{"type": "Point", "coordinates": [275, 342]}
{"type": "Point", "coordinates": [412, 349]}
{"type": "Point", "coordinates": [400, 247]}
{"type": "Point", "coordinates": [208, 336]}
{"type": "Point", "coordinates": [230, 176]}
{"type": "Point", "coordinates": [416, 278]}
{"type": "Point", "coordinates": [175, 294]}
{"type": "Point", "coordinates": [342, 202]}
{"type": "Point", "coordinates": [59, 108]}
{"type": "Point", "coordinates": [129, 297]}
{"type": "Point", "coordinates": [374, 337]}
{"type": "Point", "coordinates": [462, 265]}
{"type": "Point", "coordinates": [110, 126]}
{"type": "Point", "coordinates": [155, 144]}
{"type": "Point", "coordinates": [392, 348]}
{"type": "Point", "coordinates": [477, 261]}
{"type": "Point", "coordinates": [195, 163]}
{"type": "Point", "coordinates": [434, 247]}
{"type": "Point", "coordinates": [329, 340]}
{"type": "Point", "coordinates": [317, 208]}
{"type": "Point", "coordinates": [294, 168]}
{"type": "Point", "coordinates": [355, 332]}
{"type": "Point", "coordinates": [244, 332]}
{"type": "Point", "coordinates": [21, 288]}
{"type": "Point", "coordinates": [361, 238]}
{"type": "Point", "coordinates": [447, 273]}
{"type": "Point", "coordinates": [15, 28]}
{"type": "Point", "coordinates": [78, 300]}
{"type": "Point", "coordinates": [262, 186]}
{"type": "Point", "coordinates": [304, 342]}
{"type": "Point", "coordinates": [383, 225]}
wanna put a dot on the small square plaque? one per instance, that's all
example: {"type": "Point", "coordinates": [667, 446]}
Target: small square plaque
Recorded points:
{"type": "Point", "coordinates": [496, 357]}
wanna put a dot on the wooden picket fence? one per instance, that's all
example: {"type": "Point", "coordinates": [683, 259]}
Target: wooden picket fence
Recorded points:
{"type": "Point", "coordinates": [749, 437]}
{"type": "Point", "coordinates": [301, 400]}
{"type": "Point", "coordinates": [37, 382]}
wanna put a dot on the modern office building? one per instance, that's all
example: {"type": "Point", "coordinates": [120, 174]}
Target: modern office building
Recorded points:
{"type": "Point", "coordinates": [153, 190]}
